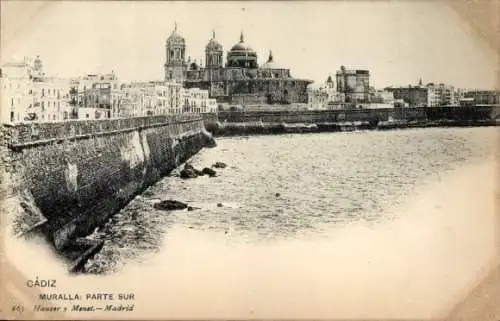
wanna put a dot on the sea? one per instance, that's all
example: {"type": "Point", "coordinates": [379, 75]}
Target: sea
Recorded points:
{"type": "Point", "coordinates": [290, 187]}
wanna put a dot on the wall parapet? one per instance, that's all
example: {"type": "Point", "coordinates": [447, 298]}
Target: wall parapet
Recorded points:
{"type": "Point", "coordinates": [21, 135]}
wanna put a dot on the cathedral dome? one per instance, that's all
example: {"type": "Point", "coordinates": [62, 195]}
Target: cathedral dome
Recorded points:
{"type": "Point", "coordinates": [271, 64]}
{"type": "Point", "coordinates": [213, 44]}
{"type": "Point", "coordinates": [175, 37]}
{"type": "Point", "coordinates": [241, 47]}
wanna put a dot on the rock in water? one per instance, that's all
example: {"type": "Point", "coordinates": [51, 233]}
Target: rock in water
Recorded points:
{"type": "Point", "coordinates": [190, 172]}
{"type": "Point", "coordinates": [208, 171]}
{"type": "Point", "coordinates": [219, 205]}
{"type": "Point", "coordinates": [170, 205]}
{"type": "Point", "coordinates": [219, 165]}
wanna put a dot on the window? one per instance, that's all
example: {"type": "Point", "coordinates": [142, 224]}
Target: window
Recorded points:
{"type": "Point", "coordinates": [43, 105]}
{"type": "Point", "coordinates": [43, 92]}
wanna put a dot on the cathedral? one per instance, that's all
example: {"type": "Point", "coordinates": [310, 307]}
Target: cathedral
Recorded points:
{"type": "Point", "coordinates": [240, 80]}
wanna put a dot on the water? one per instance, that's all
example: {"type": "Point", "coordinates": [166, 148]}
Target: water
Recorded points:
{"type": "Point", "coordinates": [325, 182]}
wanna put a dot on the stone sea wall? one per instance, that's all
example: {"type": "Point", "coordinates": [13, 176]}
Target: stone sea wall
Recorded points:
{"type": "Point", "coordinates": [66, 178]}
{"type": "Point", "coordinates": [353, 115]}
{"type": "Point", "coordinates": [264, 122]}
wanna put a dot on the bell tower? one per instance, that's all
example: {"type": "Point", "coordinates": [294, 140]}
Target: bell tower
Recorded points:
{"type": "Point", "coordinates": [175, 65]}
{"type": "Point", "coordinates": [213, 53]}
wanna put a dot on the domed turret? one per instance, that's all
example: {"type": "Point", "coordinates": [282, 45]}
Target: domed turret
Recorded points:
{"type": "Point", "coordinates": [175, 38]}
{"type": "Point", "coordinates": [213, 53]}
{"type": "Point", "coordinates": [242, 55]}
{"type": "Point", "coordinates": [271, 64]}
{"type": "Point", "coordinates": [213, 44]}
{"type": "Point", "coordinates": [242, 46]}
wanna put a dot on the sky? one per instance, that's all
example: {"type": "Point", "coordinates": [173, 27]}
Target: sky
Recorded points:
{"type": "Point", "coordinates": [399, 42]}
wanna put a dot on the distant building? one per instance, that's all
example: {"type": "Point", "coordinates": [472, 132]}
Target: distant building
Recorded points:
{"type": "Point", "coordinates": [483, 97]}
{"type": "Point", "coordinates": [50, 99]}
{"type": "Point", "coordinates": [441, 95]}
{"type": "Point", "coordinates": [30, 95]}
{"type": "Point", "coordinates": [98, 94]}
{"type": "Point", "coordinates": [151, 98]}
{"type": "Point", "coordinates": [354, 85]}
{"type": "Point", "coordinates": [382, 97]}
{"type": "Point", "coordinates": [318, 98]}
{"type": "Point", "coordinates": [240, 81]}
{"type": "Point", "coordinates": [15, 86]}
{"type": "Point", "coordinates": [411, 96]}
{"type": "Point", "coordinates": [198, 101]}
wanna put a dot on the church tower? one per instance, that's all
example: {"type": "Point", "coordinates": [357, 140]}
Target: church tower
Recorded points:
{"type": "Point", "coordinates": [175, 65]}
{"type": "Point", "coordinates": [213, 53]}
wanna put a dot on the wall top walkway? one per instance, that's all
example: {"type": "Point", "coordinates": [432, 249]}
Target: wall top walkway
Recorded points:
{"type": "Point", "coordinates": [33, 132]}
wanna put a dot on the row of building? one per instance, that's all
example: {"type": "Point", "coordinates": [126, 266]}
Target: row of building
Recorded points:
{"type": "Point", "coordinates": [353, 90]}
{"type": "Point", "coordinates": [238, 81]}
{"type": "Point", "coordinates": [27, 94]}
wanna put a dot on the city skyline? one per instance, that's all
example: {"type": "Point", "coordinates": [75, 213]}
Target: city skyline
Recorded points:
{"type": "Point", "coordinates": [399, 43]}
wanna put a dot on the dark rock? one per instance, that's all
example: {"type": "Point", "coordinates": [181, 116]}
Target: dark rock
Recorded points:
{"type": "Point", "coordinates": [208, 171]}
{"type": "Point", "coordinates": [219, 165]}
{"type": "Point", "coordinates": [148, 193]}
{"type": "Point", "coordinates": [192, 208]}
{"type": "Point", "coordinates": [278, 194]}
{"type": "Point", "coordinates": [190, 172]}
{"type": "Point", "coordinates": [219, 205]}
{"type": "Point", "coordinates": [169, 205]}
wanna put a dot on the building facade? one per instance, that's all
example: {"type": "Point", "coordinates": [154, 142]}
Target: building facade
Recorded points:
{"type": "Point", "coordinates": [151, 98]}
{"type": "Point", "coordinates": [354, 84]}
{"type": "Point", "coordinates": [411, 96]}
{"type": "Point", "coordinates": [15, 86]}
{"type": "Point", "coordinates": [240, 80]}
{"type": "Point", "coordinates": [322, 97]}
{"type": "Point", "coordinates": [28, 95]}
{"type": "Point", "coordinates": [441, 95]}
{"type": "Point", "coordinates": [50, 100]}
{"type": "Point", "coordinates": [198, 101]}
{"type": "Point", "coordinates": [483, 97]}
{"type": "Point", "coordinates": [98, 94]}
